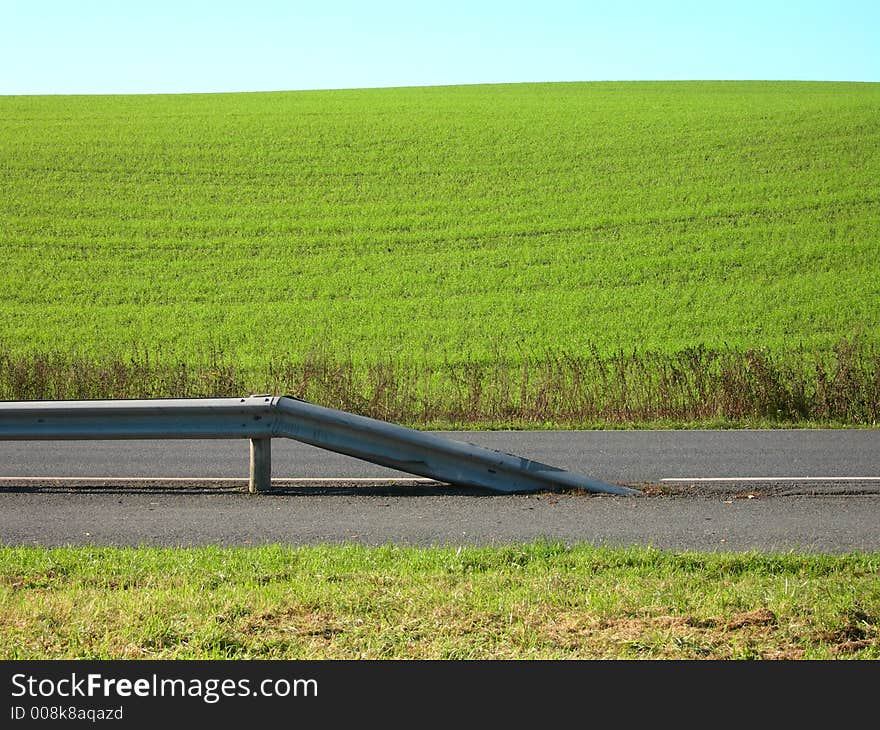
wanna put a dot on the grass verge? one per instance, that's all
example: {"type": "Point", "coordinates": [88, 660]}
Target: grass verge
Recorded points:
{"type": "Point", "coordinates": [694, 387]}
{"type": "Point", "coordinates": [533, 601]}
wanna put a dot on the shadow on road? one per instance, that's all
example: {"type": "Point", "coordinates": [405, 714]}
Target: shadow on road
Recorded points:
{"type": "Point", "coordinates": [341, 489]}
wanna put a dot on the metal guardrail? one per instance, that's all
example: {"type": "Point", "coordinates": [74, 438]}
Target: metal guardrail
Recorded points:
{"type": "Point", "coordinates": [263, 417]}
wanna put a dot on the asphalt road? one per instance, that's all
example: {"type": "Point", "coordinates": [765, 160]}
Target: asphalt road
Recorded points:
{"type": "Point", "coordinates": [809, 490]}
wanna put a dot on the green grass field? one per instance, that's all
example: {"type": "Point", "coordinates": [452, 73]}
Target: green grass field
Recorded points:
{"type": "Point", "coordinates": [536, 601]}
{"type": "Point", "coordinates": [440, 228]}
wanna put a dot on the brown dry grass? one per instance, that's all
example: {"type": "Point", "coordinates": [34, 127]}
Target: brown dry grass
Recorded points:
{"type": "Point", "coordinates": [698, 385]}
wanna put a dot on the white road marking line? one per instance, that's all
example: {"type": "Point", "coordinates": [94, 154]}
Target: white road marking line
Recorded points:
{"type": "Point", "coordinates": [771, 479]}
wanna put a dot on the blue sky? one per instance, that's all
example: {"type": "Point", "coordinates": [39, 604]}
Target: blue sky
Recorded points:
{"type": "Point", "coordinates": [99, 46]}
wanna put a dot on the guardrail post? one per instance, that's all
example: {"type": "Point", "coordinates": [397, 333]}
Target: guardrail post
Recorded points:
{"type": "Point", "coordinates": [261, 465]}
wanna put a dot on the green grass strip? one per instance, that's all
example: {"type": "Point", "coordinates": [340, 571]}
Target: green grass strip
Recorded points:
{"type": "Point", "coordinates": [533, 601]}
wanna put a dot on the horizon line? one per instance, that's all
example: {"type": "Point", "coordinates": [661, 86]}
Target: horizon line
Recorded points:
{"type": "Point", "coordinates": [436, 86]}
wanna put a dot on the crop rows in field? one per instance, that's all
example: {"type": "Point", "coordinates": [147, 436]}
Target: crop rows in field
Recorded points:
{"type": "Point", "coordinates": [444, 224]}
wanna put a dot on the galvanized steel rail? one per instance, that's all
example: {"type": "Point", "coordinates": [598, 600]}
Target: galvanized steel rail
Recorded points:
{"type": "Point", "coordinates": [263, 417]}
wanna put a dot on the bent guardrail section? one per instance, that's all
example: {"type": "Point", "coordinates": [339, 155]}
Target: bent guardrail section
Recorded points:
{"type": "Point", "coordinates": [263, 417]}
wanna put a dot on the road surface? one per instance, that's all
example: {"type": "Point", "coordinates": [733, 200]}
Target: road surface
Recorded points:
{"type": "Point", "coordinates": [812, 490]}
